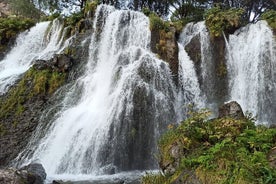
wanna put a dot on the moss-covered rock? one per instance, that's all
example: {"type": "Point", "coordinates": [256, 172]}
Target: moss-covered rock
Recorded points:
{"type": "Point", "coordinates": [22, 106]}
{"type": "Point", "coordinates": [164, 42]}
{"type": "Point", "coordinates": [270, 17]}
{"type": "Point", "coordinates": [221, 150]}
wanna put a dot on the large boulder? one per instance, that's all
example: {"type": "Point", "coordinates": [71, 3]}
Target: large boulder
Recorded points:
{"type": "Point", "coordinates": [36, 173]}
{"type": "Point", "coordinates": [30, 174]}
{"type": "Point", "coordinates": [231, 109]}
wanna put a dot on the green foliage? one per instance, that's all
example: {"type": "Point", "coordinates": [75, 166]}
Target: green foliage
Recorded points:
{"type": "Point", "coordinates": [270, 17]}
{"type": "Point", "coordinates": [221, 150]}
{"type": "Point", "coordinates": [34, 83]}
{"type": "Point", "coordinates": [51, 17]}
{"type": "Point", "coordinates": [73, 19]}
{"type": "Point", "coordinates": [219, 20]}
{"type": "Point", "coordinates": [10, 27]}
{"type": "Point", "coordinates": [156, 23]}
{"type": "Point", "coordinates": [188, 11]}
{"type": "Point", "coordinates": [91, 7]}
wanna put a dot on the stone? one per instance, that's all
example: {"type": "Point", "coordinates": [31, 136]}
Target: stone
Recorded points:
{"type": "Point", "coordinates": [272, 157]}
{"type": "Point", "coordinates": [36, 172]}
{"type": "Point", "coordinates": [30, 174]}
{"type": "Point", "coordinates": [231, 109]}
{"type": "Point", "coordinates": [60, 63]}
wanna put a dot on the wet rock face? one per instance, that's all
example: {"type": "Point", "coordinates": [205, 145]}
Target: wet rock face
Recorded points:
{"type": "Point", "coordinates": [60, 63]}
{"type": "Point", "coordinates": [165, 45]}
{"type": "Point", "coordinates": [16, 128]}
{"type": "Point", "coordinates": [231, 109]}
{"type": "Point", "coordinates": [30, 174]}
{"type": "Point", "coordinates": [194, 51]}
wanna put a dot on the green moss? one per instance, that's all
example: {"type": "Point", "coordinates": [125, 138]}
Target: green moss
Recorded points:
{"type": "Point", "coordinates": [270, 17]}
{"type": "Point", "coordinates": [56, 80]}
{"type": "Point", "coordinates": [219, 20]}
{"type": "Point", "coordinates": [34, 83]}
{"type": "Point", "coordinates": [221, 150]}
{"type": "Point", "coordinates": [179, 25]}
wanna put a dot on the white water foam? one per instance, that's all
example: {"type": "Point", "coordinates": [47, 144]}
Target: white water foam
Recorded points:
{"type": "Point", "coordinates": [251, 69]}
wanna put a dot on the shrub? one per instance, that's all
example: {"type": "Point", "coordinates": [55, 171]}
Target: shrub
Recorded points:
{"type": "Point", "coordinates": [219, 20]}
{"type": "Point", "coordinates": [270, 17]}
{"type": "Point", "coordinates": [223, 150]}
{"type": "Point", "coordinates": [156, 23]}
{"type": "Point", "coordinates": [10, 27]}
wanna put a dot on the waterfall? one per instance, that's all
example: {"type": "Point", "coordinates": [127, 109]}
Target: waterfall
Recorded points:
{"type": "Point", "coordinates": [40, 42]}
{"type": "Point", "coordinates": [196, 78]}
{"type": "Point", "coordinates": [189, 92]}
{"type": "Point", "coordinates": [251, 70]}
{"type": "Point", "coordinates": [126, 96]}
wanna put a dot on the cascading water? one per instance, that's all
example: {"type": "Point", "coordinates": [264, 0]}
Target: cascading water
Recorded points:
{"type": "Point", "coordinates": [30, 45]}
{"type": "Point", "coordinates": [251, 70]}
{"type": "Point", "coordinates": [196, 81]}
{"type": "Point", "coordinates": [127, 97]}
{"type": "Point", "coordinates": [189, 92]}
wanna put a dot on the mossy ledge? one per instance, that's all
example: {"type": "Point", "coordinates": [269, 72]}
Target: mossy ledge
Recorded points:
{"type": "Point", "coordinates": [19, 108]}
{"type": "Point", "coordinates": [221, 150]}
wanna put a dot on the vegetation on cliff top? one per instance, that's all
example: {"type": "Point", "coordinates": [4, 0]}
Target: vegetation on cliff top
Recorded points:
{"type": "Point", "coordinates": [34, 83]}
{"type": "Point", "coordinates": [270, 17]}
{"type": "Point", "coordinates": [223, 150]}
{"type": "Point", "coordinates": [10, 27]}
{"type": "Point", "coordinates": [219, 20]}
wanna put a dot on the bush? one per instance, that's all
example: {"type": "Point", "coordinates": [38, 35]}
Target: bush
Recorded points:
{"type": "Point", "coordinates": [156, 23]}
{"type": "Point", "coordinates": [223, 150]}
{"type": "Point", "coordinates": [10, 27]}
{"type": "Point", "coordinates": [219, 20]}
{"type": "Point", "coordinates": [91, 7]}
{"type": "Point", "coordinates": [270, 17]}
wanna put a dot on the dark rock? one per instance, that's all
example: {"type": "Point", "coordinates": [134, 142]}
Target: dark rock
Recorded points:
{"type": "Point", "coordinates": [169, 167]}
{"type": "Point", "coordinates": [165, 45]}
{"type": "Point", "coordinates": [272, 157]}
{"type": "Point", "coordinates": [231, 109]}
{"type": "Point", "coordinates": [16, 129]}
{"type": "Point", "coordinates": [36, 173]}
{"type": "Point", "coordinates": [187, 177]}
{"type": "Point", "coordinates": [60, 62]}
{"type": "Point", "coordinates": [57, 182]}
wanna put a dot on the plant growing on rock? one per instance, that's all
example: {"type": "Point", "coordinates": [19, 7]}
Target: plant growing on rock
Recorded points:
{"type": "Point", "coordinates": [219, 20]}
{"type": "Point", "coordinates": [270, 17]}
{"type": "Point", "coordinates": [221, 150]}
{"type": "Point", "coordinates": [10, 27]}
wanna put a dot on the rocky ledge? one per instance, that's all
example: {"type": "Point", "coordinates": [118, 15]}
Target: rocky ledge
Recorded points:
{"type": "Point", "coordinates": [227, 149]}
{"type": "Point", "coordinates": [30, 174]}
